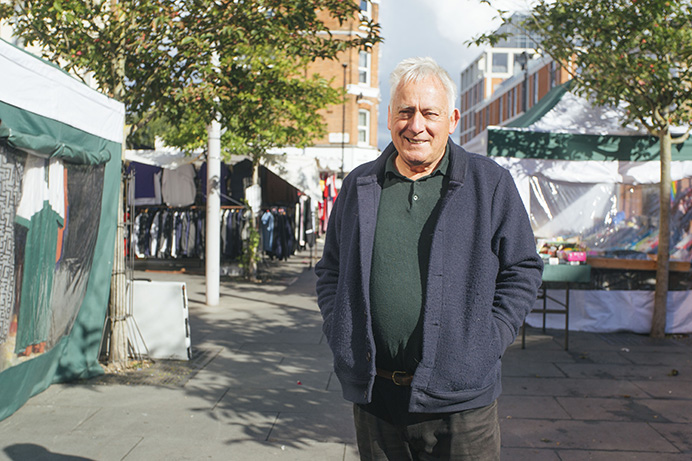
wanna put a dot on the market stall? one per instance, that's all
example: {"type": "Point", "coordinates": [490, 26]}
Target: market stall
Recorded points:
{"type": "Point", "coordinates": [167, 194]}
{"type": "Point", "coordinates": [60, 158]}
{"type": "Point", "coordinates": [587, 181]}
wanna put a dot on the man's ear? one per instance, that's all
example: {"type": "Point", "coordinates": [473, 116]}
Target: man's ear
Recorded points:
{"type": "Point", "coordinates": [454, 120]}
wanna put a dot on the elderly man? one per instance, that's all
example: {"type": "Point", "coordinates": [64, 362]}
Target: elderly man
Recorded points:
{"type": "Point", "coordinates": [429, 268]}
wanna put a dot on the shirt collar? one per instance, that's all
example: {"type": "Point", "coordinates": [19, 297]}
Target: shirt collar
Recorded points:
{"type": "Point", "coordinates": [441, 168]}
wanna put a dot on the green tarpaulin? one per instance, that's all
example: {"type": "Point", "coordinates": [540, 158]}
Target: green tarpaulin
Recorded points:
{"type": "Point", "coordinates": [61, 139]}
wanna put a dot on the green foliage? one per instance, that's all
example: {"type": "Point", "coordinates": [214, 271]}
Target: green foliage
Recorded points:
{"type": "Point", "coordinates": [633, 51]}
{"type": "Point", "coordinates": [637, 52]}
{"type": "Point", "coordinates": [189, 61]}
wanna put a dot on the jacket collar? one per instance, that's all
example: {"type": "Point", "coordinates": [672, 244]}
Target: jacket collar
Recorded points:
{"type": "Point", "coordinates": [458, 161]}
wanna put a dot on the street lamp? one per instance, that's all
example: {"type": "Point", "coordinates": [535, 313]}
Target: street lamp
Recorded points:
{"type": "Point", "coordinates": [523, 60]}
{"type": "Point", "coordinates": [343, 122]}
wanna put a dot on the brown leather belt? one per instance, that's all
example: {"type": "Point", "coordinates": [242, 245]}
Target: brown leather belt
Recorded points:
{"type": "Point", "coordinates": [400, 378]}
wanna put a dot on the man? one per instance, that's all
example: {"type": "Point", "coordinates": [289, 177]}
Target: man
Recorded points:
{"type": "Point", "coordinates": [429, 268]}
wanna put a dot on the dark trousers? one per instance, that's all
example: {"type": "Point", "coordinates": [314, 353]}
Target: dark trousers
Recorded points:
{"type": "Point", "coordinates": [466, 435]}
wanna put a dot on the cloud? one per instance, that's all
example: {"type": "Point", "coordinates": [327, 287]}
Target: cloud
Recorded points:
{"type": "Point", "coordinates": [435, 28]}
{"type": "Point", "coordinates": [460, 20]}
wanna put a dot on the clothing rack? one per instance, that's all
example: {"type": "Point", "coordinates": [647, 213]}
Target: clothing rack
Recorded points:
{"type": "Point", "coordinates": [277, 231]}
{"type": "Point", "coordinates": [163, 232]}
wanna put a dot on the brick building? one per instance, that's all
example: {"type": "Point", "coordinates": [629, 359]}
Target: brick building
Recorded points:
{"type": "Point", "coordinates": [352, 126]}
{"type": "Point", "coordinates": [505, 81]}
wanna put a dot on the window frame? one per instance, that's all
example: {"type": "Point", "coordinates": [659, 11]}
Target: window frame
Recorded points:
{"type": "Point", "coordinates": [363, 128]}
{"type": "Point", "coordinates": [365, 70]}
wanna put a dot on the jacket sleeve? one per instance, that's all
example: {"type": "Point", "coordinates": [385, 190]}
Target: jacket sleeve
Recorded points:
{"type": "Point", "coordinates": [327, 268]}
{"type": "Point", "coordinates": [520, 267]}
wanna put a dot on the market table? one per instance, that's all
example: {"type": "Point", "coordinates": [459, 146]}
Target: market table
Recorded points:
{"type": "Point", "coordinates": [635, 274]}
{"type": "Point", "coordinates": [558, 276]}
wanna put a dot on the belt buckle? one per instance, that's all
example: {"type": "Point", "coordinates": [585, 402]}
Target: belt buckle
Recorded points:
{"type": "Point", "coordinates": [394, 377]}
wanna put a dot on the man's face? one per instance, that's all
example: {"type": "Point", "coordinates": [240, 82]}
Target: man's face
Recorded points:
{"type": "Point", "coordinates": [420, 123]}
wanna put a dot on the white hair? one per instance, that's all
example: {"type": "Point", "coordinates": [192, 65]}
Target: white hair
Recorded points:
{"type": "Point", "coordinates": [415, 69]}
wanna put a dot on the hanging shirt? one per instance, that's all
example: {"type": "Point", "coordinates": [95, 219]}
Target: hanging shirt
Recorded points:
{"type": "Point", "coordinates": [42, 211]}
{"type": "Point", "coordinates": [178, 186]}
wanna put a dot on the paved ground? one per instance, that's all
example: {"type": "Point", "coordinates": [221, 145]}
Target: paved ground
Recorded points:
{"type": "Point", "coordinates": [260, 386]}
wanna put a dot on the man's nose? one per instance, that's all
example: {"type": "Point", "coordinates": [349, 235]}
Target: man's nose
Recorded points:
{"type": "Point", "coordinates": [417, 122]}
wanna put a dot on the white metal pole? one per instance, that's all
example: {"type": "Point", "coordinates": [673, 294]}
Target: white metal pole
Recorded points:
{"type": "Point", "coordinates": [213, 225]}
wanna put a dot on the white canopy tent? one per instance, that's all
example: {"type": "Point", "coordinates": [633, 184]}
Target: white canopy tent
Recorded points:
{"type": "Point", "coordinates": [564, 144]}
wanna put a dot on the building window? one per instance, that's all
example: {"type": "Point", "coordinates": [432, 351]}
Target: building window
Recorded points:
{"type": "Point", "coordinates": [500, 62]}
{"type": "Point", "coordinates": [535, 88]}
{"type": "Point", "coordinates": [553, 76]}
{"type": "Point", "coordinates": [500, 110]}
{"type": "Point", "coordinates": [365, 10]}
{"type": "Point", "coordinates": [364, 68]}
{"type": "Point", "coordinates": [363, 126]}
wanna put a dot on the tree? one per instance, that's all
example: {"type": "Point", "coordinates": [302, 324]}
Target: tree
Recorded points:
{"type": "Point", "coordinates": [105, 40]}
{"type": "Point", "coordinates": [632, 52]}
{"type": "Point", "coordinates": [252, 73]}
{"type": "Point", "coordinates": [194, 60]}
{"type": "Point", "coordinates": [176, 57]}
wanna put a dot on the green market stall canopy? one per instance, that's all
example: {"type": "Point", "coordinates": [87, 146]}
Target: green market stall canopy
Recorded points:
{"type": "Point", "coordinates": [60, 161]}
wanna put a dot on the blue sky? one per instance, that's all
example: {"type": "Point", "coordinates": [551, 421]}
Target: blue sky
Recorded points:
{"type": "Point", "coordinates": [435, 28]}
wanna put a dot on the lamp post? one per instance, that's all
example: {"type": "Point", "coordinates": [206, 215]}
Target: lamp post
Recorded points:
{"type": "Point", "coordinates": [523, 60]}
{"type": "Point", "coordinates": [343, 122]}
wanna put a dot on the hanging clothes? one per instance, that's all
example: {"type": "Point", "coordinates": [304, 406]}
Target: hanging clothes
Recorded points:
{"type": "Point", "coordinates": [267, 221]}
{"type": "Point", "coordinates": [11, 172]}
{"type": "Point", "coordinates": [178, 187]}
{"type": "Point", "coordinates": [223, 183]}
{"type": "Point", "coordinates": [42, 211]}
{"type": "Point", "coordinates": [278, 233]}
{"type": "Point", "coordinates": [174, 233]}
{"type": "Point", "coordinates": [147, 184]}
{"type": "Point", "coordinates": [234, 223]}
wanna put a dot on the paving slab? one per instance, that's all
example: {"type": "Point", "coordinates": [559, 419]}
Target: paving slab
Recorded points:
{"type": "Point", "coordinates": [584, 435]}
{"type": "Point", "coordinates": [680, 435]}
{"type": "Point", "coordinates": [511, 406]}
{"type": "Point", "coordinates": [595, 455]}
{"type": "Point", "coordinates": [77, 447]}
{"type": "Point", "coordinates": [571, 387]}
{"type": "Point", "coordinates": [623, 408]}
{"type": "Point", "coordinates": [180, 450]}
{"type": "Point", "coordinates": [666, 388]}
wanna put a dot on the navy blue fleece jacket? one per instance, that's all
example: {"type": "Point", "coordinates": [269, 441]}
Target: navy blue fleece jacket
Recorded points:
{"type": "Point", "coordinates": [482, 281]}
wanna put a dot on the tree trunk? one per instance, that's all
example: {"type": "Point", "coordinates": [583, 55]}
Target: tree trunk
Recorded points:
{"type": "Point", "coordinates": [118, 306]}
{"type": "Point", "coordinates": [658, 322]}
{"type": "Point", "coordinates": [117, 309]}
{"type": "Point", "coordinates": [252, 260]}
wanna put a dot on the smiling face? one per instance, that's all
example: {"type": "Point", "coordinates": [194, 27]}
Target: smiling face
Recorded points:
{"type": "Point", "coordinates": [420, 123]}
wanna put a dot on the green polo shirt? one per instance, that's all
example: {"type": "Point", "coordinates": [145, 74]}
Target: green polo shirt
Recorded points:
{"type": "Point", "coordinates": [406, 220]}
